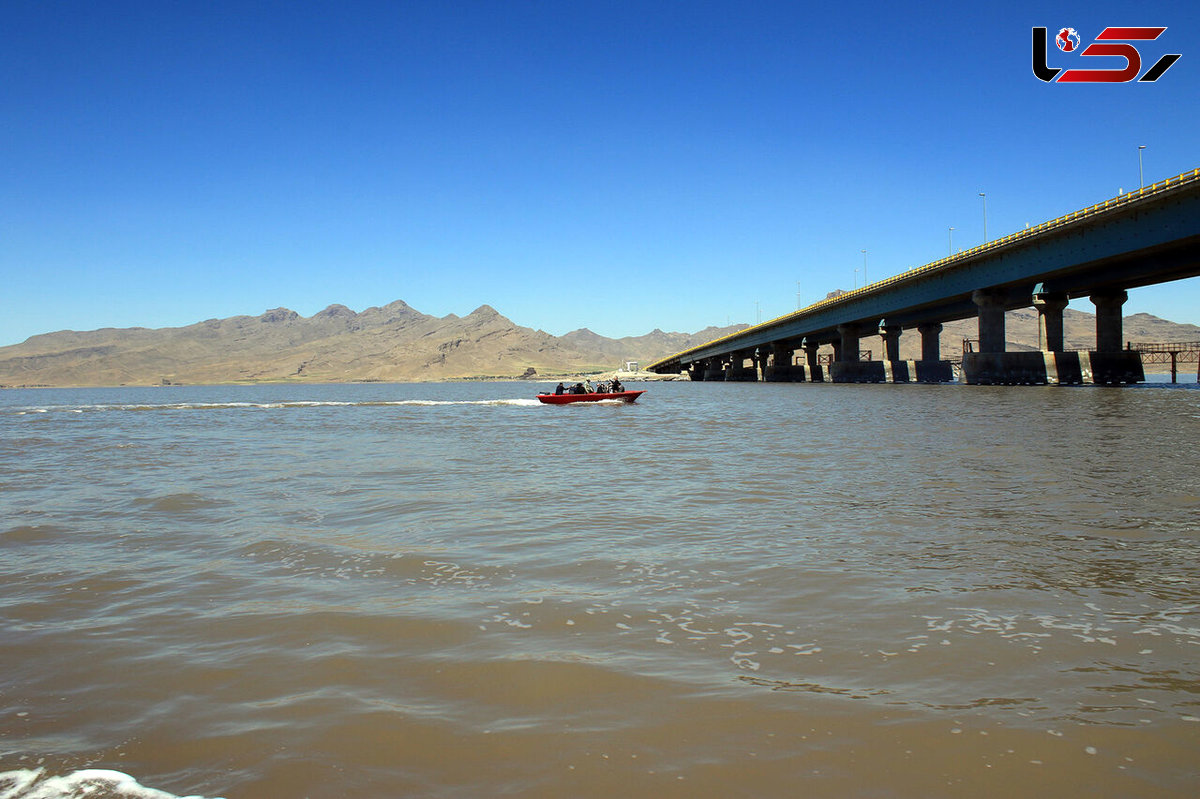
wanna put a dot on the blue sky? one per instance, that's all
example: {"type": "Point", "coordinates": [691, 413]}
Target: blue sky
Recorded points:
{"type": "Point", "coordinates": [619, 166]}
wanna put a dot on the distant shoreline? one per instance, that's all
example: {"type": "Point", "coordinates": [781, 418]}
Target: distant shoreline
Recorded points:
{"type": "Point", "coordinates": [1185, 377]}
{"type": "Point", "coordinates": [625, 377]}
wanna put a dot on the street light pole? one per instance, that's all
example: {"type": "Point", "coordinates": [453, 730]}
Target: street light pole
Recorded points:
{"type": "Point", "coordinates": [1141, 179]}
{"type": "Point", "coordinates": [864, 252]}
{"type": "Point", "coordinates": [984, 196]}
{"type": "Point", "coordinates": [951, 250]}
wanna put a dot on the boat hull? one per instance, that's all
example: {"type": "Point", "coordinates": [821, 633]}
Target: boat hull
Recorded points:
{"type": "Point", "coordinates": [566, 399]}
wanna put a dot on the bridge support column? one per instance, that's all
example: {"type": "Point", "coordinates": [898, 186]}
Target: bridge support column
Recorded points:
{"type": "Point", "coordinates": [847, 368]}
{"type": "Point", "coordinates": [991, 365]}
{"type": "Point", "coordinates": [781, 369]}
{"type": "Point", "coordinates": [1050, 306]}
{"type": "Point", "coordinates": [1110, 364]}
{"type": "Point", "coordinates": [891, 340]}
{"type": "Point", "coordinates": [713, 369]}
{"type": "Point", "coordinates": [991, 320]}
{"type": "Point", "coordinates": [894, 369]}
{"type": "Point", "coordinates": [1060, 367]}
{"type": "Point", "coordinates": [849, 335]}
{"type": "Point", "coordinates": [812, 369]}
{"type": "Point", "coordinates": [931, 343]}
{"type": "Point", "coordinates": [1109, 331]}
{"type": "Point", "coordinates": [759, 359]}
{"type": "Point", "coordinates": [738, 371]}
{"type": "Point", "coordinates": [931, 368]}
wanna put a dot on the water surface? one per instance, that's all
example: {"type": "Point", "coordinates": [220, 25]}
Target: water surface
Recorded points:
{"type": "Point", "coordinates": [450, 590]}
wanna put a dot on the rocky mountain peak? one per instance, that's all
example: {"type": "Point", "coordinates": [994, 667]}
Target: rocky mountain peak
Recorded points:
{"type": "Point", "coordinates": [277, 315]}
{"type": "Point", "coordinates": [335, 311]}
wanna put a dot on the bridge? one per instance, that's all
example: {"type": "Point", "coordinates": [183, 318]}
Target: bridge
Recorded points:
{"type": "Point", "coordinates": [1138, 239]}
{"type": "Point", "coordinates": [1172, 352]}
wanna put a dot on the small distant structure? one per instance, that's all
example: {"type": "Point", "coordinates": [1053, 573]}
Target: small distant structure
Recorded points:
{"type": "Point", "coordinates": [631, 366]}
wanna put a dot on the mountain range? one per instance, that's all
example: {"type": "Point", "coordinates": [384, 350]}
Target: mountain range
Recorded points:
{"type": "Point", "coordinates": [396, 343]}
{"type": "Point", "coordinates": [393, 343]}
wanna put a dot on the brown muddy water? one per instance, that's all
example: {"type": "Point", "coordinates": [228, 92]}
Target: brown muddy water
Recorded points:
{"type": "Point", "coordinates": [721, 590]}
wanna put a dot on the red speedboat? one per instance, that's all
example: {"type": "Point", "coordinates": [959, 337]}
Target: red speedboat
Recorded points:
{"type": "Point", "coordinates": [563, 399]}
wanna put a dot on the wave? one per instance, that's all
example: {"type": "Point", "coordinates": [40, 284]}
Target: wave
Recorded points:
{"type": "Point", "coordinates": [34, 784]}
{"type": "Point", "coordinates": [287, 404]}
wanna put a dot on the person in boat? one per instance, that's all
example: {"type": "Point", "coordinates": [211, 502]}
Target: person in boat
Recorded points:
{"type": "Point", "coordinates": [590, 388]}
{"type": "Point", "coordinates": [617, 388]}
{"type": "Point", "coordinates": [602, 388]}
{"type": "Point", "coordinates": [578, 389]}
{"type": "Point", "coordinates": [559, 389]}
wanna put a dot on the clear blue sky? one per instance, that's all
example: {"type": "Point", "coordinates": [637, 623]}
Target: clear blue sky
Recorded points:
{"type": "Point", "coordinates": [619, 166]}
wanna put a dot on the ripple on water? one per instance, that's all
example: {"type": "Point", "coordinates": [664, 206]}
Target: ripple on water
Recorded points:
{"type": "Point", "coordinates": [180, 503]}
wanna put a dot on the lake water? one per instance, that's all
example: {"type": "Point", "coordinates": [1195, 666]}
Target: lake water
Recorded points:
{"type": "Point", "coordinates": [450, 590]}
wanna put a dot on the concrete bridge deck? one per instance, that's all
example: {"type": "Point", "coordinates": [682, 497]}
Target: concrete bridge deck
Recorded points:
{"type": "Point", "coordinates": [1142, 238]}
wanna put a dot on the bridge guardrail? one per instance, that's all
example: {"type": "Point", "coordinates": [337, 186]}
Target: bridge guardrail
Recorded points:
{"type": "Point", "coordinates": [1170, 346]}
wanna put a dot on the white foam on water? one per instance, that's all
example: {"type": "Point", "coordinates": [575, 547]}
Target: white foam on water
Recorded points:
{"type": "Point", "coordinates": [34, 784]}
{"type": "Point", "coordinates": [519, 402]}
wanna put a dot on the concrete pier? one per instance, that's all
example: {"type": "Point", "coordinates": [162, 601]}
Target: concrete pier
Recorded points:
{"type": "Point", "coordinates": [931, 368]}
{"type": "Point", "coordinates": [991, 319]}
{"type": "Point", "coordinates": [738, 371]}
{"type": "Point", "coordinates": [931, 342]}
{"type": "Point", "coordinates": [1109, 332]}
{"type": "Point", "coordinates": [1108, 364]}
{"type": "Point", "coordinates": [1050, 307]}
{"type": "Point", "coordinates": [781, 368]}
{"type": "Point", "coordinates": [847, 366]}
{"type": "Point", "coordinates": [890, 334]}
{"type": "Point", "coordinates": [813, 371]}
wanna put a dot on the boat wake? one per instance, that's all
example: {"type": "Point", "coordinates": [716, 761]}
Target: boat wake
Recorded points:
{"type": "Point", "coordinates": [210, 406]}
